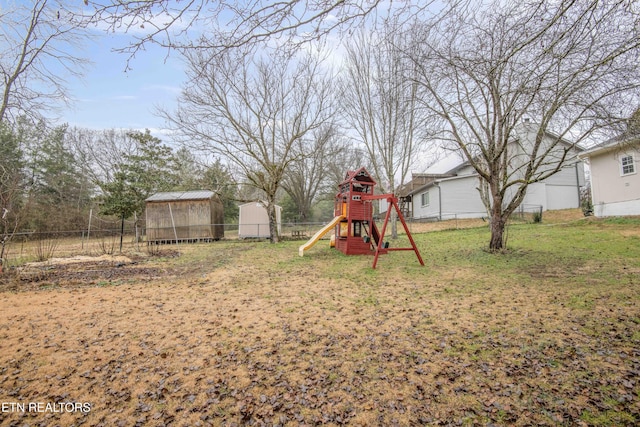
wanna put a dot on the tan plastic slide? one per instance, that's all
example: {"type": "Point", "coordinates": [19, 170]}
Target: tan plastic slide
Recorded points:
{"type": "Point", "coordinates": [312, 241]}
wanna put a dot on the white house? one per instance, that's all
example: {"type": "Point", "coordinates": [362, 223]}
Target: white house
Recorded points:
{"type": "Point", "coordinates": [254, 221]}
{"type": "Point", "coordinates": [615, 181]}
{"type": "Point", "coordinates": [454, 194]}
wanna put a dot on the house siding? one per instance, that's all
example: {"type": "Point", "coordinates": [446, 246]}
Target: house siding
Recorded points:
{"type": "Point", "coordinates": [432, 210]}
{"type": "Point", "coordinates": [553, 149]}
{"type": "Point", "coordinates": [560, 191]}
{"type": "Point", "coordinates": [614, 194]}
{"type": "Point", "coordinates": [458, 191]}
{"type": "Point", "coordinates": [536, 196]}
{"type": "Point", "coordinates": [561, 197]}
{"type": "Point", "coordinates": [451, 198]}
{"type": "Point", "coordinates": [461, 198]}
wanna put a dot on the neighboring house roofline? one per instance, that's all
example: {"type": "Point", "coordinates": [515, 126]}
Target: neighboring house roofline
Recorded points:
{"type": "Point", "coordinates": [453, 178]}
{"type": "Point", "coordinates": [453, 172]}
{"type": "Point", "coordinates": [616, 143]}
{"type": "Point", "coordinates": [443, 178]}
{"type": "Point", "coordinates": [418, 180]}
{"type": "Point", "coordinates": [556, 136]}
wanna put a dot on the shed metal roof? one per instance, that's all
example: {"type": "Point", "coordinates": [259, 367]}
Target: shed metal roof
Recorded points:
{"type": "Point", "coordinates": [180, 195]}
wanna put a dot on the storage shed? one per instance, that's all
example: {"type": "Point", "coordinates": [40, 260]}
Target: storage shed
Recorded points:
{"type": "Point", "coordinates": [254, 221]}
{"type": "Point", "coordinates": [184, 216]}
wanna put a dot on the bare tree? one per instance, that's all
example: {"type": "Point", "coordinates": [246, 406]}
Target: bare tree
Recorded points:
{"type": "Point", "coordinates": [351, 158]}
{"type": "Point", "coordinates": [632, 125]}
{"type": "Point", "coordinates": [100, 152]}
{"type": "Point", "coordinates": [570, 67]}
{"type": "Point", "coordinates": [14, 191]}
{"type": "Point", "coordinates": [307, 178]}
{"type": "Point", "coordinates": [13, 208]}
{"type": "Point", "coordinates": [219, 25]}
{"type": "Point", "coordinates": [252, 113]}
{"type": "Point", "coordinates": [56, 178]}
{"type": "Point", "coordinates": [380, 99]}
{"type": "Point", "coordinates": [38, 42]}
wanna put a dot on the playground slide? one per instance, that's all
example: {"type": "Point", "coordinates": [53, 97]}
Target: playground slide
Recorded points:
{"type": "Point", "coordinates": [312, 241]}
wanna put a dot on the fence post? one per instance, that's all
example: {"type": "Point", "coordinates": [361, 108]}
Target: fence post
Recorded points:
{"type": "Point", "coordinates": [121, 232]}
{"type": "Point", "coordinates": [89, 227]}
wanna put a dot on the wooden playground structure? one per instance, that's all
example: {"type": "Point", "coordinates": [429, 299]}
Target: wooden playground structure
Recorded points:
{"type": "Point", "coordinates": [355, 231]}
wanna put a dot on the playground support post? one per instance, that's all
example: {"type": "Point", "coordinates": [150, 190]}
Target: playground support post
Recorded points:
{"type": "Point", "coordinates": [392, 201]}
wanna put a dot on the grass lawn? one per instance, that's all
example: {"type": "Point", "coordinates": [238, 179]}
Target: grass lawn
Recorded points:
{"type": "Point", "coordinates": [249, 333]}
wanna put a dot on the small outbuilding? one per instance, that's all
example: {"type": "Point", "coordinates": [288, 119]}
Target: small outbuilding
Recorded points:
{"type": "Point", "coordinates": [254, 221]}
{"type": "Point", "coordinates": [184, 216]}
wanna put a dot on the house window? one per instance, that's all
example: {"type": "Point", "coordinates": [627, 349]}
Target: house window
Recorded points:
{"type": "Point", "coordinates": [424, 198]}
{"type": "Point", "coordinates": [627, 164]}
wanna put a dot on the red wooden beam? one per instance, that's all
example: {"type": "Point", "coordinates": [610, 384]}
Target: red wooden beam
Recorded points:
{"type": "Point", "coordinates": [393, 201]}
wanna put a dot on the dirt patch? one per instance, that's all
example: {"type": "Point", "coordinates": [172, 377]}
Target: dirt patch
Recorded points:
{"type": "Point", "coordinates": [81, 270]}
{"type": "Point", "coordinates": [630, 232]}
{"type": "Point", "coordinates": [553, 271]}
{"type": "Point", "coordinates": [79, 259]}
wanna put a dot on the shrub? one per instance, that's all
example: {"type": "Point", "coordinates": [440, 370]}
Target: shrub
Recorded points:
{"type": "Point", "coordinates": [537, 217]}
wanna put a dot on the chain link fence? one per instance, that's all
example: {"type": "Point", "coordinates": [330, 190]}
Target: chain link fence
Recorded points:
{"type": "Point", "coordinates": [104, 236]}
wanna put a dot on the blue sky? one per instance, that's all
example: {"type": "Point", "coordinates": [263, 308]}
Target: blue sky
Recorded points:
{"type": "Point", "coordinates": [108, 97]}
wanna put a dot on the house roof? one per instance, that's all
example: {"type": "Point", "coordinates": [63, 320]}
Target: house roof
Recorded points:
{"type": "Point", "coordinates": [418, 182]}
{"type": "Point", "coordinates": [445, 164]}
{"type": "Point", "coordinates": [450, 167]}
{"type": "Point", "coordinates": [612, 144]}
{"type": "Point", "coordinates": [180, 195]}
{"type": "Point", "coordinates": [533, 127]}
{"type": "Point", "coordinates": [440, 178]}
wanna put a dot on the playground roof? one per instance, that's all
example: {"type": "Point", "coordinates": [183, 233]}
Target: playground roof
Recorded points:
{"type": "Point", "coordinates": [358, 175]}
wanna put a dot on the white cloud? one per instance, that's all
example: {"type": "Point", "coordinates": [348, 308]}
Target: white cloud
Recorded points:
{"type": "Point", "coordinates": [173, 90]}
{"type": "Point", "coordinates": [123, 98]}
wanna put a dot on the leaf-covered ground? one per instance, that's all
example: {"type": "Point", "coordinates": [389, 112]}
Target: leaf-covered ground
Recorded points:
{"type": "Point", "coordinates": [251, 334]}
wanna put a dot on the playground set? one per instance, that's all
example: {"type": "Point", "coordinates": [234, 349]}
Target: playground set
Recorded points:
{"type": "Point", "coordinates": [355, 232]}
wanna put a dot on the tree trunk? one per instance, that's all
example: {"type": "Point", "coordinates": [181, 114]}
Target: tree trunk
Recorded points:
{"type": "Point", "coordinates": [498, 221]}
{"type": "Point", "coordinates": [394, 222]}
{"type": "Point", "coordinates": [497, 234]}
{"type": "Point", "coordinates": [273, 223]}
